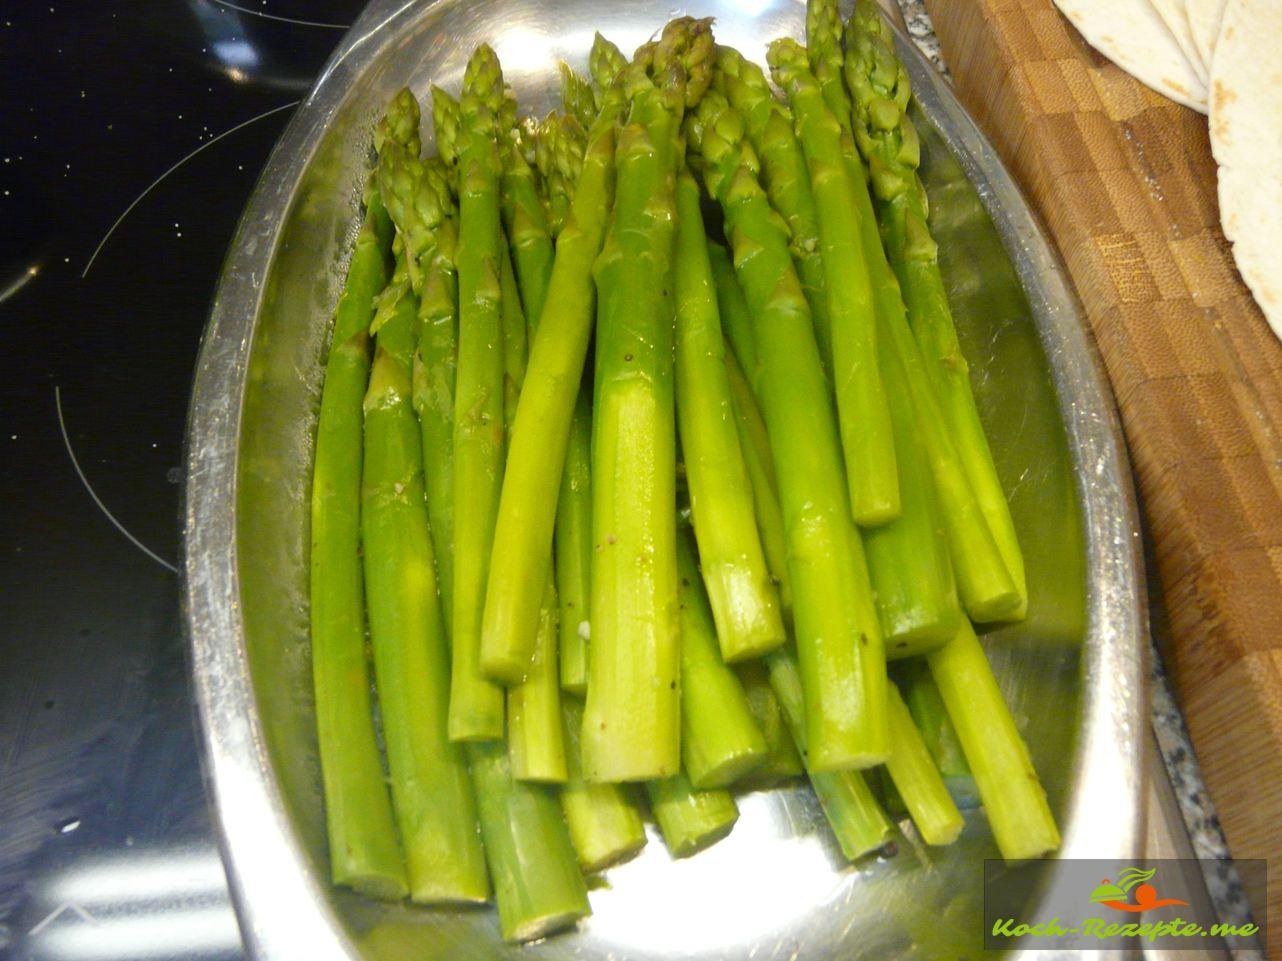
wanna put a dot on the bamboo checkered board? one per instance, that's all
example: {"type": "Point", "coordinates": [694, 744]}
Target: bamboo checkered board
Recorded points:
{"type": "Point", "coordinates": [1125, 182]}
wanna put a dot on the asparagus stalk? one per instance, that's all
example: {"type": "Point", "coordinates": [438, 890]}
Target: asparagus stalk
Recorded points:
{"type": "Point", "coordinates": [984, 583]}
{"type": "Point", "coordinates": [839, 642]}
{"type": "Point", "coordinates": [823, 51]}
{"type": "Point", "coordinates": [605, 825]}
{"type": "Point", "coordinates": [446, 126]}
{"type": "Point", "coordinates": [1013, 797]}
{"type": "Point", "coordinates": [560, 159]}
{"type": "Point", "coordinates": [476, 702]}
{"type": "Point", "coordinates": [534, 707]}
{"type": "Point", "coordinates": [782, 760]}
{"type": "Point", "coordinates": [784, 175]}
{"type": "Point", "coordinates": [690, 820]}
{"type": "Point", "coordinates": [435, 364]}
{"type": "Point", "coordinates": [574, 549]}
{"type": "Point", "coordinates": [605, 62]}
{"type": "Point", "coordinates": [631, 723]}
{"type": "Point", "coordinates": [755, 444]}
{"type": "Point", "coordinates": [888, 141]}
{"type": "Point", "coordinates": [720, 741]}
{"type": "Point", "coordinates": [908, 558]}
{"type": "Point", "coordinates": [926, 706]}
{"type": "Point", "coordinates": [536, 455]}
{"type": "Point", "coordinates": [526, 223]}
{"type": "Point", "coordinates": [863, 413]}
{"type": "Point", "coordinates": [537, 882]}
{"type": "Point", "coordinates": [431, 792]}
{"type": "Point", "coordinates": [577, 95]}
{"type": "Point", "coordinates": [745, 605]}
{"type": "Point", "coordinates": [916, 777]}
{"type": "Point", "coordinates": [857, 821]}
{"type": "Point", "coordinates": [632, 718]}
{"type": "Point", "coordinates": [515, 342]}
{"type": "Point", "coordinates": [736, 319]}
{"type": "Point", "coordinates": [559, 152]}
{"type": "Point", "coordinates": [364, 853]}
{"type": "Point", "coordinates": [422, 206]}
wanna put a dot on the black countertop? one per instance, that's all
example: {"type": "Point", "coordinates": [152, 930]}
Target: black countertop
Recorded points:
{"type": "Point", "coordinates": [131, 135]}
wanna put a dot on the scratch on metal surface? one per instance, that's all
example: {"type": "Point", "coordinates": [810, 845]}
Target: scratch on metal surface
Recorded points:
{"type": "Point", "coordinates": [58, 912]}
{"type": "Point", "coordinates": [155, 183]}
{"type": "Point", "coordinates": [66, 440]}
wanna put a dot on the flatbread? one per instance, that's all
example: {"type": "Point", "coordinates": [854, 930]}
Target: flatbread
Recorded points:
{"type": "Point", "coordinates": [1175, 15]}
{"type": "Point", "coordinates": [1246, 138]}
{"type": "Point", "coordinates": [1132, 35]}
{"type": "Point", "coordinates": [1204, 20]}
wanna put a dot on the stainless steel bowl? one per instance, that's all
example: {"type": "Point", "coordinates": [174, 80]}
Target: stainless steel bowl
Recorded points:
{"type": "Point", "coordinates": [776, 889]}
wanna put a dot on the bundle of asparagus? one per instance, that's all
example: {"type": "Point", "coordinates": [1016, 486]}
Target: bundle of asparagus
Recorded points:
{"type": "Point", "coordinates": [553, 617]}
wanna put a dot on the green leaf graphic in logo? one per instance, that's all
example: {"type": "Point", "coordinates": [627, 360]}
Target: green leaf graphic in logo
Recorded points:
{"type": "Point", "coordinates": [1133, 876]}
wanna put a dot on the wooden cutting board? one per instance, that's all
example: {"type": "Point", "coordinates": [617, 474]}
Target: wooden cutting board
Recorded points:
{"type": "Point", "coordinates": [1125, 181]}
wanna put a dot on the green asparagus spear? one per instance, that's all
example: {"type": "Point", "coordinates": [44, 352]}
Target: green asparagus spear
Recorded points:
{"type": "Point", "coordinates": [435, 364]}
{"type": "Point", "coordinates": [431, 792]}
{"type": "Point", "coordinates": [736, 319]}
{"type": "Point", "coordinates": [745, 605]}
{"type": "Point", "coordinates": [421, 205]}
{"type": "Point", "coordinates": [363, 850]}
{"type": "Point", "coordinates": [537, 882]}
{"type": "Point", "coordinates": [534, 707]}
{"type": "Point", "coordinates": [856, 819]}
{"type": "Point", "coordinates": [577, 96]}
{"type": "Point", "coordinates": [536, 455]}
{"type": "Point", "coordinates": [908, 558]}
{"type": "Point", "coordinates": [926, 706]}
{"type": "Point", "coordinates": [838, 637]}
{"type": "Point", "coordinates": [631, 724]}
{"type": "Point", "coordinates": [888, 141]}
{"type": "Point", "coordinates": [916, 778]}
{"type": "Point", "coordinates": [526, 223]}
{"type": "Point", "coordinates": [785, 177]}
{"type": "Point", "coordinates": [559, 153]}
{"type": "Point", "coordinates": [515, 344]}
{"type": "Point", "coordinates": [857, 822]}
{"type": "Point", "coordinates": [399, 125]}
{"type": "Point", "coordinates": [864, 415]}
{"type": "Point", "coordinates": [605, 62]}
{"type": "Point", "coordinates": [782, 760]}
{"type": "Point", "coordinates": [574, 549]}
{"type": "Point", "coordinates": [823, 50]}
{"type": "Point", "coordinates": [605, 825]}
{"type": "Point", "coordinates": [720, 741]}
{"type": "Point", "coordinates": [446, 122]}
{"type": "Point", "coordinates": [534, 704]}
{"type": "Point", "coordinates": [755, 445]}
{"type": "Point", "coordinates": [984, 584]}
{"type": "Point", "coordinates": [1014, 800]}
{"type": "Point", "coordinates": [690, 820]}
{"type": "Point", "coordinates": [476, 702]}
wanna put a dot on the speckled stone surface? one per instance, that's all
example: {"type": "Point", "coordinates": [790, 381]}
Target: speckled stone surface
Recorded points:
{"type": "Point", "coordinates": [923, 31]}
{"type": "Point", "coordinates": [1200, 820]}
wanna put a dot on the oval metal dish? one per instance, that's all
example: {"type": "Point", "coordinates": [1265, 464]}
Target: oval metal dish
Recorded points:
{"type": "Point", "coordinates": [776, 889]}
